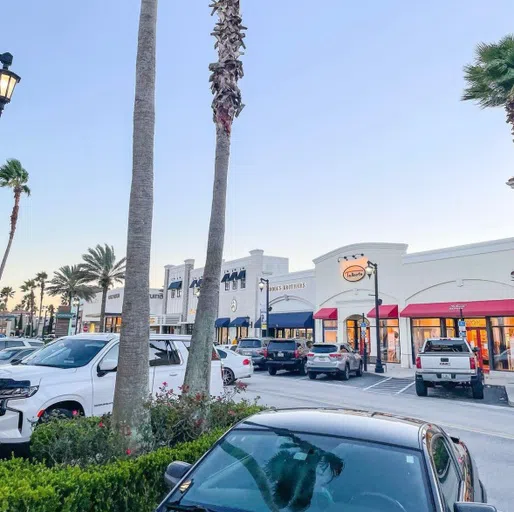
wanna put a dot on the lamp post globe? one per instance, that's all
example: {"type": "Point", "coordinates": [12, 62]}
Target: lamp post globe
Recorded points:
{"type": "Point", "coordinates": [8, 80]}
{"type": "Point", "coordinates": [261, 286]}
{"type": "Point", "coordinates": [369, 270]}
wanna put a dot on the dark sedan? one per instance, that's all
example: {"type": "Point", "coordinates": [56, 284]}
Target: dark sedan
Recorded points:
{"type": "Point", "coordinates": [329, 460]}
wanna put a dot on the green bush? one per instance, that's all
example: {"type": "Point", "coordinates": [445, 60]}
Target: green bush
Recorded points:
{"type": "Point", "coordinates": [130, 485]}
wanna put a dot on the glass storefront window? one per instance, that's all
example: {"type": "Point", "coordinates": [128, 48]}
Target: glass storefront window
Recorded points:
{"type": "Point", "coordinates": [390, 337]}
{"type": "Point", "coordinates": [503, 343]}
{"type": "Point", "coordinates": [330, 331]}
{"type": "Point", "coordinates": [451, 331]}
{"type": "Point", "coordinates": [423, 328]}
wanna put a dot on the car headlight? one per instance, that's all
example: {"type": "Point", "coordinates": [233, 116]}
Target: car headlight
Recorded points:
{"type": "Point", "coordinates": [23, 392]}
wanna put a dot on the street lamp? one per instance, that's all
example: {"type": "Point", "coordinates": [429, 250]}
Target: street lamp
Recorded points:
{"type": "Point", "coordinates": [510, 183]}
{"type": "Point", "coordinates": [372, 269]}
{"type": "Point", "coordinates": [265, 283]}
{"type": "Point", "coordinates": [8, 80]}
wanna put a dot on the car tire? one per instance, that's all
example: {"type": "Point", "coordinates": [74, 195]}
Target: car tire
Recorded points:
{"type": "Point", "coordinates": [346, 373]}
{"type": "Point", "coordinates": [303, 370]}
{"type": "Point", "coordinates": [477, 389]}
{"type": "Point", "coordinates": [56, 412]}
{"type": "Point", "coordinates": [271, 370]}
{"type": "Point", "coordinates": [421, 388]}
{"type": "Point", "coordinates": [359, 371]}
{"type": "Point", "coordinates": [312, 375]}
{"type": "Point", "coordinates": [228, 377]}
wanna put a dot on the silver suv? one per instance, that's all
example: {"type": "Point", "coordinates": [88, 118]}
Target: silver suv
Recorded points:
{"type": "Point", "coordinates": [256, 348]}
{"type": "Point", "coordinates": [336, 359]}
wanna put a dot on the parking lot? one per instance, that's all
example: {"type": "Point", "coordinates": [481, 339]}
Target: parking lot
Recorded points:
{"type": "Point", "coordinates": [372, 383]}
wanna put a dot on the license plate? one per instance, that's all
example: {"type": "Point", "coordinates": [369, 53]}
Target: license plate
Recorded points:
{"type": "Point", "coordinates": [322, 358]}
{"type": "Point", "coordinates": [446, 376]}
{"type": "Point", "coordinates": [280, 354]}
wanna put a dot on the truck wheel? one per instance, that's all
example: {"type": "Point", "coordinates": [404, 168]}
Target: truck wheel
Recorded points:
{"type": "Point", "coordinates": [346, 373]}
{"type": "Point", "coordinates": [271, 370]}
{"type": "Point", "coordinates": [421, 388]}
{"type": "Point", "coordinates": [359, 371]}
{"type": "Point", "coordinates": [312, 376]}
{"type": "Point", "coordinates": [477, 389]}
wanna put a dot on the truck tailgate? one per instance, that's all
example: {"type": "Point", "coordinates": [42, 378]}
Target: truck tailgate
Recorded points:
{"type": "Point", "coordinates": [446, 362]}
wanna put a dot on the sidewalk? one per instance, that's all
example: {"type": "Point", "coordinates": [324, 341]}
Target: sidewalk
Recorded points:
{"type": "Point", "coordinates": [505, 379]}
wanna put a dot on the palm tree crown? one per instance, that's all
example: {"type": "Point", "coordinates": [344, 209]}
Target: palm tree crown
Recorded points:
{"type": "Point", "coordinates": [14, 176]}
{"type": "Point", "coordinates": [70, 281]}
{"type": "Point", "coordinates": [490, 79]}
{"type": "Point", "coordinates": [6, 293]}
{"type": "Point", "coordinates": [100, 265]}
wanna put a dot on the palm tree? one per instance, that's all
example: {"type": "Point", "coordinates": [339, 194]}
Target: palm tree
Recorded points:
{"type": "Point", "coordinates": [6, 293]}
{"type": "Point", "coordinates": [132, 377]}
{"type": "Point", "coordinates": [100, 265]}
{"type": "Point", "coordinates": [69, 282]}
{"type": "Point", "coordinates": [29, 300]}
{"type": "Point", "coordinates": [226, 105]}
{"type": "Point", "coordinates": [51, 311]}
{"type": "Point", "coordinates": [41, 279]}
{"type": "Point", "coordinates": [15, 177]}
{"type": "Point", "coordinates": [490, 79]}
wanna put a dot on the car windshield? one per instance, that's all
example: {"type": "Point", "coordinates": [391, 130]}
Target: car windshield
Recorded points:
{"type": "Point", "coordinates": [262, 470]}
{"type": "Point", "coordinates": [324, 349]}
{"type": "Point", "coordinates": [281, 345]}
{"type": "Point", "coordinates": [445, 346]}
{"type": "Point", "coordinates": [250, 344]}
{"type": "Point", "coordinates": [66, 353]}
{"type": "Point", "coordinates": [7, 354]}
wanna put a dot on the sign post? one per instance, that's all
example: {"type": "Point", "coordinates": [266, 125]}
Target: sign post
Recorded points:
{"type": "Point", "coordinates": [364, 352]}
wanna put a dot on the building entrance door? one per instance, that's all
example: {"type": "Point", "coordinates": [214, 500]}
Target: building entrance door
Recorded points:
{"type": "Point", "coordinates": [353, 334]}
{"type": "Point", "coordinates": [477, 337]}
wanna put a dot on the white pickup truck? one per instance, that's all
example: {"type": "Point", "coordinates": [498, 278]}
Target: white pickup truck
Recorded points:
{"type": "Point", "coordinates": [78, 373]}
{"type": "Point", "coordinates": [448, 362]}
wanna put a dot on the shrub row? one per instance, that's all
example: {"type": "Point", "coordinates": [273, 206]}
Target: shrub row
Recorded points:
{"type": "Point", "coordinates": [129, 485]}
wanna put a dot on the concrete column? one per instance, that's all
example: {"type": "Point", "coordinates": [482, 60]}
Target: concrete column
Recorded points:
{"type": "Point", "coordinates": [189, 265]}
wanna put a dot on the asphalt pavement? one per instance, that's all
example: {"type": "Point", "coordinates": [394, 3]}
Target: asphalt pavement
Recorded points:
{"type": "Point", "coordinates": [486, 426]}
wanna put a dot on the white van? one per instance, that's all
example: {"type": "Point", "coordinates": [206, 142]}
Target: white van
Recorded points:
{"type": "Point", "coordinates": [78, 373]}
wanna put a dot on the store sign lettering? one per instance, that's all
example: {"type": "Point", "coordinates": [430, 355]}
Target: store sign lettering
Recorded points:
{"type": "Point", "coordinates": [159, 296]}
{"type": "Point", "coordinates": [354, 273]}
{"type": "Point", "coordinates": [287, 287]}
{"type": "Point", "coordinates": [114, 296]}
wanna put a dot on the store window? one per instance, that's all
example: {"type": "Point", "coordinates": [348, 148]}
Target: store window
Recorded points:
{"type": "Point", "coordinates": [243, 283]}
{"type": "Point", "coordinates": [503, 343]}
{"type": "Point", "coordinates": [423, 328]}
{"type": "Point", "coordinates": [451, 331]}
{"type": "Point", "coordinates": [390, 340]}
{"type": "Point", "coordinates": [234, 284]}
{"type": "Point", "coordinates": [179, 293]}
{"type": "Point", "coordinates": [330, 331]}
{"type": "Point", "coordinates": [172, 293]}
{"type": "Point", "coordinates": [227, 286]}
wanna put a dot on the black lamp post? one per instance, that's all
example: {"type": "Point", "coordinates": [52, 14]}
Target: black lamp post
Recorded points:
{"type": "Point", "coordinates": [372, 269]}
{"type": "Point", "coordinates": [265, 283]}
{"type": "Point", "coordinates": [8, 80]}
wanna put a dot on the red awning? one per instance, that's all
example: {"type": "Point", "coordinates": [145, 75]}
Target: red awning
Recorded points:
{"type": "Point", "coordinates": [326, 314]}
{"type": "Point", "coordinates": [452, 309]}
{"type": "Point", "coordinates": [390, 311]}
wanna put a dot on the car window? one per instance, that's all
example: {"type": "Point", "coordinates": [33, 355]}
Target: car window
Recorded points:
{"type": "Point", "coordinates": [446, 472]}
{"type": "Point", "coordinates": [110, 360]}
{"type": "Point", "coordinates": [222, 354]}
{"type": "Point", "coordinates": [14, 343]}
{"type": "Point", "coordinates": [324, 349]}
{"type": "Point", "coordinates": [344, 349]}
{"type": "Point", "coordinates": [261, 470]}
{"type": "Point", "coordinates": [6, 354]}
{"type": "Point", "coordinates": [163, 353]}
{"type": "Point", "coordinates": [281, 345]}
{"type": "Point", "coordinates": [22, 353]}
{"type": "Point", "coordinates": [35, 344]}
{"type": "Point", "coordinates": [250, 344]}
{"type": "Point", "coordinates": [445, 346]}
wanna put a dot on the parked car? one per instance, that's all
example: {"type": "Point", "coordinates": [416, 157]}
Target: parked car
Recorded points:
{"type": "Point", "coordinates": [256, 348]}
{"type": "Point", "coordinates": [337, 359]}
{"type": "Point", "coordinates": [329, 460]}
{"type": "Point", "coordinates": [232, 348]}
{"type": "Point", "coordinates": [19, 342]}
{"type": "Point", "coordinates": [78, 373]}
{"type": "Point", "coordinates": [235, 366]}
{"type": "Point", "coordinates": [15, 355]}
{"type": "Point", "coordinates": [287, 354]}
{"type": "Point", "coordinates": [448, 362]}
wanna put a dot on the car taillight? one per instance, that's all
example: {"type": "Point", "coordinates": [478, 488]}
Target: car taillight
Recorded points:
{"type": "Point", "coordinates": [296, 353]}
{"type": "Point", "coordinates": [264, 352]}
{"type": "Point", "coordinates": [418, 362]}
{"type": "Point", "coordinates": [310, 354]}
{"type": "Point", "coordinates": [472, 363]}
{"type": "Point", "coordinates": [335, 356]}
{"type": "Point", "coordinates": [246, 362]}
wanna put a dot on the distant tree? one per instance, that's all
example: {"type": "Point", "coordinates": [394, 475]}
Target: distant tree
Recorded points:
{"type": "Point", "coordinates": [69, 282]}
{"type": "Point", "coordinates": [41, 279]}
{"type": "Point", "coordinates": [100, 266]}
{"type": "Point", "coordinates": [51, 311]}
{"type": "Point", "coordinates": [29, 298]}
{"type": "Point", "coordinates": [15, 177]}
{"type": "Point", "coordinates": [6, 293]}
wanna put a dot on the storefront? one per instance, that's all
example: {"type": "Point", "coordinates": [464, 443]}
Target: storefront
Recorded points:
{"type": "Point", "coordinates": [436, 293]}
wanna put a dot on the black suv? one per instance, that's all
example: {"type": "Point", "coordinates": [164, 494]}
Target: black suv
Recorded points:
{"type": "Point", "coordinates": [287, 354]}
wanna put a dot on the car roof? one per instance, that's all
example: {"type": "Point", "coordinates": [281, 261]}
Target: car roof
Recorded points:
{"type": "Point", "coordinates": [353, 423]}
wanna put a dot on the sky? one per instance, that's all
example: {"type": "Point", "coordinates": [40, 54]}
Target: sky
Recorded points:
{"type": "Point", "coordinates": [353, 129]}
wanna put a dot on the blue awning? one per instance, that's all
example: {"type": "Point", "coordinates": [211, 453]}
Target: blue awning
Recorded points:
{"type": "Point", "coordinates": [232, 277]}
{"type": "Point", "coordinates": [199, 283]}
{"type": "Point", "coordinates": [240, 321]}
{"type": "Point", "coordinates": [242, 274]}
{"type": "Point", "coordinates": [225, 277]}
{"type": "Point", "coordinates": [300, 320]}
{"type": "Point", "coordinates": [194, 284]}
{"type": "Point", "coordinates": [221, 322]}
{"type": "Point", "coordinates": [175, 285]}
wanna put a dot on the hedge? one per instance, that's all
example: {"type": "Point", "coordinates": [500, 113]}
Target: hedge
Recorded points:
{"type": "Point", "coordinates": [130, 485]}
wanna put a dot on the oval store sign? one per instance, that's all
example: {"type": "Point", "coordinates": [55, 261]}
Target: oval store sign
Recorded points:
{"type": "Point", "coordinates": [354, 273]}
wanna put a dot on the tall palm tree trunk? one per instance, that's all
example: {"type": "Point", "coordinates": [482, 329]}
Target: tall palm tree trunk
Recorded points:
{"type": "Point", "coordinates": [102, 309]}
{"type": "Point", "coordinates": [197, 378]}
{"type": "Point", "coordinates": [40, 306]}
{"type": "Point", "coordinates": [132, 379]}
{"type": "Point", "coordinates": [14, 220]}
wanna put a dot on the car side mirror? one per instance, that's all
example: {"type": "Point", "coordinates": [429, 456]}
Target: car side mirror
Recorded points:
{"type": "Point", "coordinates": [105, 367]}
{"type": "Point", "coordinates": [473, 507]}
{"type": "Point", "coordinates": [175, 472]}
{"type": "Point", "coordinates": [16, 361]}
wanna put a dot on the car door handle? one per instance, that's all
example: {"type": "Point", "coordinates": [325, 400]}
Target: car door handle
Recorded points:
{"type": "Point", "coordinates": [173, 374]}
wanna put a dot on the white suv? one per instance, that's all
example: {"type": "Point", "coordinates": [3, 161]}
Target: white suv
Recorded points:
{"type": "Point", "coordinates": [78, 373]}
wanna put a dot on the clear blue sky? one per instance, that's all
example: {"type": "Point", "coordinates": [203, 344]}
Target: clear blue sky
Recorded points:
{"type": "Point", "coordinates": [353, 129]}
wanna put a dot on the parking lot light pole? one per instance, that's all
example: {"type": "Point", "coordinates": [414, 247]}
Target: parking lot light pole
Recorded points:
{"type": "Point", "coordinates": [372, 269]}
{"type": "Point", "coordinates": [8, 80]}
{"type": "Point", "coordinates": [265, 283]}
